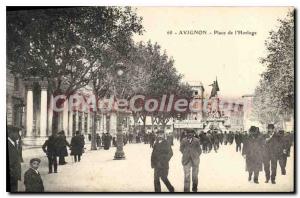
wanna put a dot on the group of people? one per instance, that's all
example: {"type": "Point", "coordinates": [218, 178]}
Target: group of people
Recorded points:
{"type": "Point", "coordinates": [106, 140]}
{"type": "Point", "coordinates": [190, 147]}
{"type": "Point", "coordinates": [263, 151]}
{"type": "Point", "coordinates": [56, 147]}
{"type": "Point", "coordinates": [32, 178]}
{"type": "Point", "coordinates": [260, 151]}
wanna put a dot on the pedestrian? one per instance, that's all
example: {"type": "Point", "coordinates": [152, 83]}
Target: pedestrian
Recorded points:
{"type": "Point", "coordinates": [130, 137]}
{"type": "Point", "coordinates": [98, 140]}
{"type": "Point", "coordinates": [160, 157]}
{"type": "Point", "coordinates": [285, 144]}
{"type": "Point", "coordinates": [238, 141]}
{"type": "Point", "coordinates": [14, 159]}
{"type": "Point", "coordinates": [211, 141]}
{"type": "Point", "coordinates": [32, 179]}
{"type": "Point", "coordinates": [107, 141]}
{"type": "Point", "coordinates": [205, 142]}
{"type": "Point", "coordinates": [270, 154]}
{"type": "Point", "coordinates": [146, 138]}
{"type": "Point", "coordinates": [191, 151]}
{"type": "Point", "coordinates": [62, 144]}
{"type": "Point", "coordinates": [252, 151]}
{"type": "Point", "coordinates": [77, 145]}
{"type": "Point", "coordinates": [50, 148]}
{"type": "Point", "coordinates": [151, 139]}
{"type": "Point", "coordinates": [114, 141]}
{"type": "Point", "coordinates": [225, 138]}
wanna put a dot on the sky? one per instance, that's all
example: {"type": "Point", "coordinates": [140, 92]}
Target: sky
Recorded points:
{"type": "Point", "coordinates": [232, 58]}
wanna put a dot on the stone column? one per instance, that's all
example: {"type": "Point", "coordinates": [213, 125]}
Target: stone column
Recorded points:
{"type": "Point", "coordinates": [70, 131]}
{"type": "Point", "coordinates": [83, 122]}
{"type": "Point", "coordinates": [29, 110]}
{"type": "Point", "coordinates": [43, 114]}
{"type": "Point", "coordinates": [77, 119]}
{"type": "Point", "coordinates": [50, 115]}
{"type": "Point", "coordinates": [65, 117]}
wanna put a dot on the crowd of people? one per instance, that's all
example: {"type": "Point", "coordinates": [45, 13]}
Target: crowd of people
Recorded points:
{"type": "Point", "coordinates": [261, 151]}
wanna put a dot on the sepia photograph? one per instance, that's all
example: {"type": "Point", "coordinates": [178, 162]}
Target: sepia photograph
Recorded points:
{"type": "Point", "coordinates": [172, 99]}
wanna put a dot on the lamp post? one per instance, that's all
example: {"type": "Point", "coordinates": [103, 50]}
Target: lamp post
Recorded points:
{"type": "Point", "coordinates": [119, 154]}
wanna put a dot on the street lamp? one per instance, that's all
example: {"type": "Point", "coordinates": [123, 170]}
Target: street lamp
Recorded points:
{"type": "Point", "coordinates": [119, 154]}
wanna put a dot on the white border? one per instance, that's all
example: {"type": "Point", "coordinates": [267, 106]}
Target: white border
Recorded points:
{"type": "Point", "coordinates": [109, 2]}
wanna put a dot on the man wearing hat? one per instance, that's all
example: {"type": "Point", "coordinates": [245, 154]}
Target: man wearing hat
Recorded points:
{"type": "Point", "coordinates": [274, 151]}
{"type": "Point", "coordinates": [51, 150]}
{"type": "Point", "coordinates": [270, 156]}
{"type": "Point", "coordinates": [14, 160]}
{"type": "Point", "coordinates": [191, 151]}
{"type": "Point", "coordinates": [160, 157]}
{"type": "Point", "coordinates": [252, 150]}
{"type": "Point", "coordinates": [32, 178]}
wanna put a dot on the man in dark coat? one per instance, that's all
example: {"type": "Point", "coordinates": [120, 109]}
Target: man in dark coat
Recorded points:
{"type": "Point", "coordinates": [252, 151]}
{"type": "Point", "coordinates": [62, 144]}
{"type": "Point", "coordinates": [160, 157]}
{"type": "Point", "coordinates": [14, 160]}
{"type": "Point", "coordinates": [238, 141]}
{"type": "Point", "coordinates": [151, 139]}
{"type": "Point", "coordinates": [98, 140]}
{"type": "Point", "coordinates": [273, 150]}
{"type": "Point", "coordinates": [191, 151]}
{"type": "Point", "coordinates": [77, 145]}
{"type": "Point", "coordinates": [107, 141]}
{"type": "Point", "coordinates": [130, 137]}
{"type": "Point", "coordinates": [225, 138]}
{"type": "Point", "coordinates": [285, 144]}
{"type": "Point", "coordinates": [205, 142]}
{"type": "Point", "coordinates": [50, 148]}
{"type": "Point", "coordinates": [32, 178]}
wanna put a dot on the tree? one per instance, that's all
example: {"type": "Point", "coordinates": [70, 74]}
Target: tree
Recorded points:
{"type": "Point", "coordinates": [274, 97]}
{"type": "Point", "coordinates": [63, 45]}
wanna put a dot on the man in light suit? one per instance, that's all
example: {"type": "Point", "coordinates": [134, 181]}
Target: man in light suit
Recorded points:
{"type": "Point", "coordinates": [191, 151]}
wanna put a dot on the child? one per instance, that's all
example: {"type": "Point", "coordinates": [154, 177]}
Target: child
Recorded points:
{"type": "Point", "coordinates": [32, 178]}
